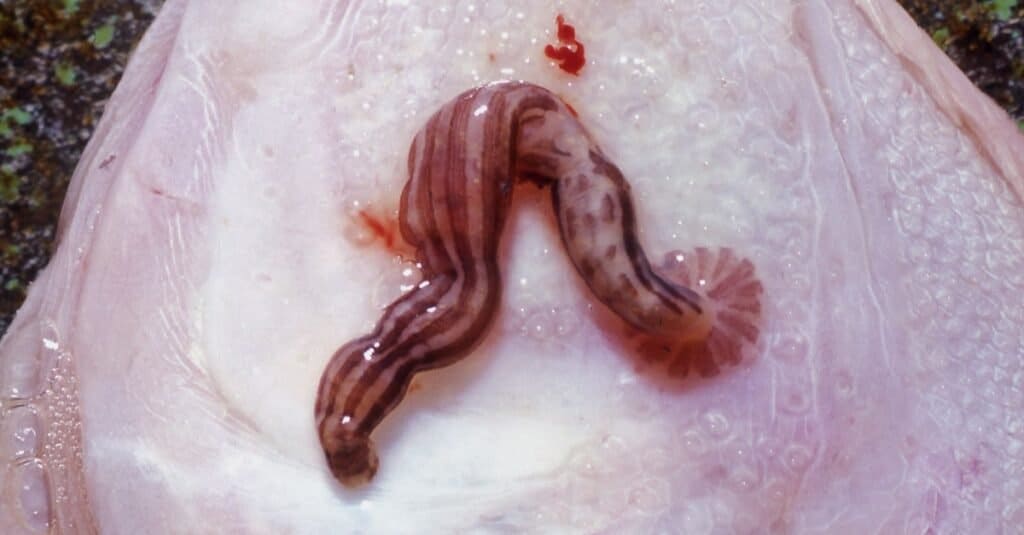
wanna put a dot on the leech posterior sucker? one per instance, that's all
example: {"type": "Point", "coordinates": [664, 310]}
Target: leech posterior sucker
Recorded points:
{"type": "Point", "coordinates": [463, 166]}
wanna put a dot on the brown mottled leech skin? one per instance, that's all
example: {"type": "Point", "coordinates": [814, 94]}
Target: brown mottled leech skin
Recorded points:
{"type": "Point", "coordinates": [462, 168]}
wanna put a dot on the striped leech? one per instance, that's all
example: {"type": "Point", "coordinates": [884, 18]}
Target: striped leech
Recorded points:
{"type": "Point", "coordinates": [463, 166]}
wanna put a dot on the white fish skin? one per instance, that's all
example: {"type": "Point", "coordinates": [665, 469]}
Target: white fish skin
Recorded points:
{"type": "Point", "coordinates": [160, 377]}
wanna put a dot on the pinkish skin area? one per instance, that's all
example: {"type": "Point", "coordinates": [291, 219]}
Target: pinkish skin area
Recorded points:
{"type": "Point", "coordinates": [161, 359]}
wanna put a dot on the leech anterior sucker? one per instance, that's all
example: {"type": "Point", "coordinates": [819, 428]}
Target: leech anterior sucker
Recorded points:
{"type": "Point", "coordinates": [462, 168]}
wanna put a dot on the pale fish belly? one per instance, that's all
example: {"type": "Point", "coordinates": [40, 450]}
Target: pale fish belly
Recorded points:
{"type": "Point", "coordinates": [162, 375]}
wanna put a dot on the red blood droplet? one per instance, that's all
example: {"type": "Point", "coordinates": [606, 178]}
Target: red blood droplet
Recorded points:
{"type": "Point", "coordinates": [565, 31]}
{"type": "Point", "coordinates": [382, 230]}
{"type": "Point", "coordinates": [569, 54]}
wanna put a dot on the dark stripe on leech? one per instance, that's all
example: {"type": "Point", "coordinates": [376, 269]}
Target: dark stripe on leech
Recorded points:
{"type": "Point", "coordinates": [533, 167]}
{"type": "Point", "coordinates": [491, 154]}
{"type": "Point", "coordinates": [429, 260]}
{"type": "Point", "coordinates": [648, 278]}
{"type": "Point", "coordinates": [428, 238]}
{"type": "Point", "coordinates": [635, 252]}
{"type": "Point", "coordinates": [409, 234]}
{"type": "Point", "coordinates": [348, 365]}
{"type": "Point", "coordinates": [457, 181]}
{"type": "Point", "coordinates": [444, 173]}
{"type": "Point", "coordinates": [494, 163]}
{"type": "Point", "coordinates": [447, 193]}
{"type": "Point", "coordinates": [456, 160]}
{"type": "Point", "coordinates": [631, 244]}
{"type": "Point", "coordinates": [456, 202]}
{"type": "Point", "coordinates": [425, 204]}
{"type": "Point", "coordinates": [458, 219]}
{"type": "Point", "coordinates": [436, 358]}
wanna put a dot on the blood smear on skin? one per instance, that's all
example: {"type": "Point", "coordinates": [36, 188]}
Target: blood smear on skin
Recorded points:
{"type": "Point", "coordinates": [569, 53]}
{"type": "Point", "coordinates": [571, 109]}
{"type": "Point", "coordinates": [384, 230]}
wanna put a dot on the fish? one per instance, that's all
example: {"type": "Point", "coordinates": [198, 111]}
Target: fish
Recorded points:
{"type": "Point", "coordinates": [237, 219]}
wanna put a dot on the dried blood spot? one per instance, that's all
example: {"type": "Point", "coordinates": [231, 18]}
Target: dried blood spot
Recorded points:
{"type": "Point", "coordinates": [383, 230]}
{"type": "Point", "coordinates": [569, 53]}
{"type": "Point", "coordinates": [734, 291]}
{"type": "Point", "coordinates": [570, 108]}
{"type": "Point", "coordinates": [370, 226]}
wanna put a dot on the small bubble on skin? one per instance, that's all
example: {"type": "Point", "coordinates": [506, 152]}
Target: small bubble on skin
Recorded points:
{"type": "Point", "coordinates": [651, 496]}
{"type": "Point", "coordinates": [692, 442]}
{"type": "Point", "coordinates": [716, 424]}
{"type": "Point", "coordinates": [599, 460]}
{"type": "Point", "coordinates": [18, 433]}
{"type": "Point", "coordinates": [797, 457]}
{"type": "Point", "coordinates": [565, 321]}
{"type": "Point", "coordinates": [791, 347]}
{"type": "Point", "coordinates": [657, 461]}
{"type": "Point", "coordinates": [744, 478]}
{"type": "Point", "coordinates": [795, 401]}
{"type": "Point", "coordinates": [536, 326]}
{"type": "Point", "coordinates": [33, 493]}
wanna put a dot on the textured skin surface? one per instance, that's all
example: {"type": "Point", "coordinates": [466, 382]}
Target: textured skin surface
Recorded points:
{"type": "Point", "coordinates": [981, 38]}
{"type": "Point", "coordinates": [206, 273]}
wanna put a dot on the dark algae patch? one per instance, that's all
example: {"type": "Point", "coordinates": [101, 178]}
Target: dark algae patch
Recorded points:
{"type": "Point", "coordinates": [60, 60]}
{"type": "Point", "coordinates": [985, 38]}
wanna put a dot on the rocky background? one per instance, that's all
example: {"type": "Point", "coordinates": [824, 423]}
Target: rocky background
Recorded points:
{"type": "Point", "coordinates": [60, 60]}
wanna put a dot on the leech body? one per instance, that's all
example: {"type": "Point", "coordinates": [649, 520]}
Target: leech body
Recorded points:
{"type": "Point", "coordinates": [463, 166]}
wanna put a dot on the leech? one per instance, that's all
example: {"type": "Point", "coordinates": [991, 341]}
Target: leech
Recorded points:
{"type": "Point", "coordinates": [463, 166]}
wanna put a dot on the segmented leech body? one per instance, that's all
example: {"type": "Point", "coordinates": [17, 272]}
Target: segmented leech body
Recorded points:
{"type": "Point", "coordinates": [463, 166]}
